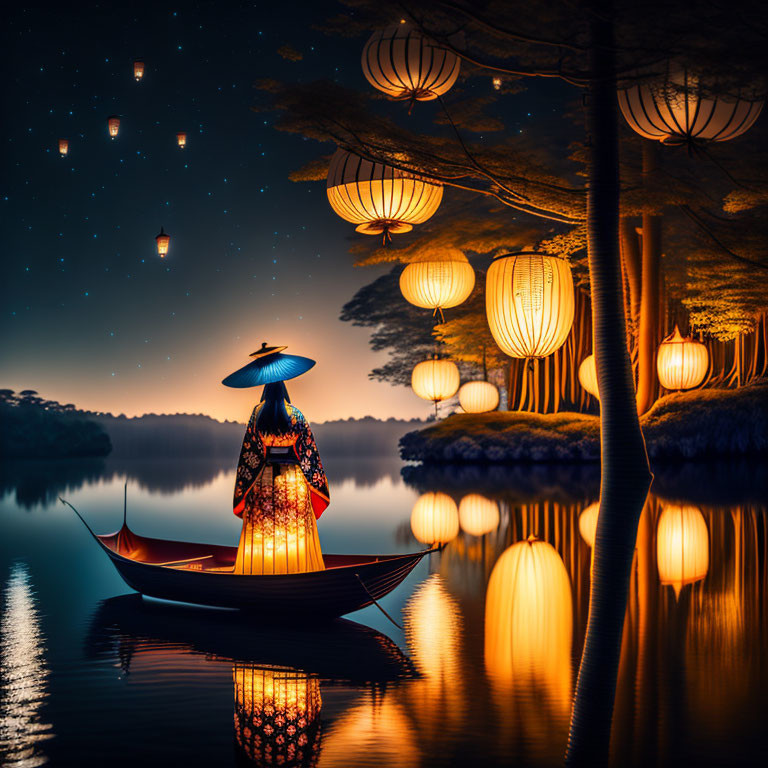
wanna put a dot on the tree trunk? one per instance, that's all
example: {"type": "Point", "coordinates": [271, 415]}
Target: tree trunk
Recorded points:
{"type": "Point", "coordinates": [625, 475]}
{"type": "Point", "coordinates": [647, 384]}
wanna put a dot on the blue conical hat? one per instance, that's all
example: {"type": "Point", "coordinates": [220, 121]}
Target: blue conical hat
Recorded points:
{"type": "Point", "coordinates": [269, 366]}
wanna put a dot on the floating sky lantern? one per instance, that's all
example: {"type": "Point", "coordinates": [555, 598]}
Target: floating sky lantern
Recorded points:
{"type": "Point", "coordinates": [435, 380]}
{"type": "Point", "coordinates": [682, 363]}
{"type": "Point", "coordinates": [674, 109]}
{"type": "Point", "coordinates": [63, 147]}
{"type": "Point", "coordinates": [435, 518]}
{"type": "Point", "coordinates": [113, 126]}
{"type": "Point", "coordinates": [588, 375]}
{"type": "Point", "coordinates": [401, 62]}
{"type": "Point", "coordinates": [438, 281]}
{"type": "Point", "coordinates": [478, 515]}
{"type": "Point", "coordinates": [588, 523]}
{"type": "Point", "coordinates": [682, 546]}
{"type": "Point", "coordinates": [181, 139]}
{"type": "Point", "coordinates": [163, 242]}
{"type": "Point", "coordinates": [478, 397]}
{"type": "Point", "coordinates": [380, 199]}
{"type": "Point", "coordinates": [138, 69]}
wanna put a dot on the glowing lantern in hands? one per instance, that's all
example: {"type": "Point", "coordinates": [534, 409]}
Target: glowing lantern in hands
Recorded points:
{"type": "Point", "coordinates": [682, 546]}
{"type": "Point", "coordinates": [138, 69]}
{"type": "Point", "coordinates": [113, 125]}
{"type": "Point", "coordinates": [529, 302]}
{"type": "Point", "coordinates": [401, 62]}
{"type": "Point", "coordinates": [435, 380]}
{"type": "Point", "coordinates": [162, 241]}
{"type": "Point", "coordinates": [478, 397]}
{"type": "Point", "coordinates": [588, 376]}
{"type": "Point", "coordinates": [378, 198]}
{"type": "Point", "coordinates": [681, 363]}
{"type": "Point", "coordinates": [588, 523]}
{"type": "Point", "coordinates": [674, 110]}
{"type": "Point", "coordinates": [435, 519]}
{"type": "Point", "coordinates": [181, 139]}
{"type": "Point", "coordinates": [478, 515]}
{"type": "Point", "coordinates": [63, 147]}
{"type": "Point", "coordinates": [438, 281]}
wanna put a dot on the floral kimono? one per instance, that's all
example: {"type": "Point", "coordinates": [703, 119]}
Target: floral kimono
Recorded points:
{"type": "Point", "coordinates": [280, 491]}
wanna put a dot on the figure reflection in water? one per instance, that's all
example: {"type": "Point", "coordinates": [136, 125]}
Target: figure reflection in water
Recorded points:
{"type": "Point", "coordinates": [281, 488]}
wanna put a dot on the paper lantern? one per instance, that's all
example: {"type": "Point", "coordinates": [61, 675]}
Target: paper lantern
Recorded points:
{"type": "Point", "coordinates": [113, 125]}
{"type": "Point", "coordinates": [529, 302]}
{"type": "Point", "coordinates": [435, 518]}
{"type": "Point", "coordinates": [401, 62]}
{"type": "Point", "coordinates": [181, 139]}
{"type": "Point", "coordinates": [163, 241]}
{"type": "Point", "coordinates": [478, 515]}
{"type": "Point", "coordinates": [138, 69]}
{"type": "Point", "coordinates": [378, 198]}
{"type": "Point", "coordinates": [478, 397]}
{"type": "Point", "coordinates": [588, 523]}
{"type": "Point", "coordinates": [674, 109]}
{"type": "Point", "coordinates": [63, 147]}
{"type": "Point", "coordinates": [435, 379]}
{"type": "Point", "coordinates": [681, 363]}
{"type": "Point", "coordinates": [276, 715]}
{"type": "Point", "coordinates": [438, 281]}
{"type": "Point", "coordinates": [682, 546]}
{"type": "Point", "coordinates": [588, 375]}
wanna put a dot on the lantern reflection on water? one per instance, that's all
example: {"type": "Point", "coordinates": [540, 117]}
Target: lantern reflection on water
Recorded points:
{"type": "Point", "coordinates": [588, 523]}
{"type": "Point", "coordinates": [682, 546]}
{"type": "Point", "coordinates": [681, 363]}
{"type": "Point", "coordinates": [478, 515]}
{"type": "Point", "coordinates": [277, 715]}
{"type": "Point", "coordinates": [435, 518]}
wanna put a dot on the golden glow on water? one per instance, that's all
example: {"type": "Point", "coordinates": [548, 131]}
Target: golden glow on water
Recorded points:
{"type": "Point", "coordinates": [682, 546]}
{"type": "Point", "coordinates": [478, 515]}
{"type": "Point", "coordinates": [435, 518]}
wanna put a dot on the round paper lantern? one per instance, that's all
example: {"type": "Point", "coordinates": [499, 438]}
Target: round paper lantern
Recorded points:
{"type": "Point", "coordinates": [181, 139]}
{"type": "Point", "coordinates": [588, 375]}
{"type": "Point", "coordinates": [438, 282]}
{"type": "Point", "coordinates": [435, 519]}
{"type": "Point", "coordinates": [681, 363]}
{"type": "Point", "coordinates": [113, 125]}
{"type": "Point", "coordinates": [435, 379]}
{"type": "Point", "coordinates": [478, 397]}
{"type": "Point", "coordinates": [682, 546]}
{"type": "Point", "coordinates": [529, 302]}
{"type": "Point", "coordinates": [63, 147]}
{"type": "Point", "coordinates": [163, 242]}
{"type": "Point", "coordinates": [138, 69]}
{"type": "Point", "coordinates": [478, 515]}
{"type": "Point", "coordinates": [588, 523]}
{"type": "Point", "coordinates": [674, 110]}
{"type": "Point", "coordinates": [402, 63]}
{"type": "Point", "coordinates": [378, 198]}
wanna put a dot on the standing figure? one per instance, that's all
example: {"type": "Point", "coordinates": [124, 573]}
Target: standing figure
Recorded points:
{"type": "Point", "coordinates": [281, 488]}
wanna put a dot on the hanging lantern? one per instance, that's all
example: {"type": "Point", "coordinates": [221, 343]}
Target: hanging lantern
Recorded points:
{"type": "Point", "coordinates": [138, 69]}
{"type": "Point", "coordinates": [378, 198]}
{"type": "Point", "coordinates": [674, 110]}
{"type": "Point", "coordinates": [181, 139]}
{"type": "Point", "coordinates": [588, 375]}
{"type": "Point", "coordinates": [162, 241]}
{"type": "Point", "coordinates": [63, 147]}
{"type": "Point", "coordinates": [113, 125]}
{"type": "Point", "coordinates": [529, 302]}
{"type": "Point", "coordinates": [478, 397]}
{"type": "Point", "coordinates": [478, 515]}
{"type": "Point", "coordinates": [435, 519]}
{"type": "Point", "coordinates": [438, 282]}
{"type": "Point", "coordinates": [401, 62]}
{"type": "Point", "coordinates": [681, 363]}
{"type": "Point", "coordinates": [588, 523]}
{"type": "Point", "coordinates": [435, 379]}
{"type": "Point", "coordinates": [682, 546]}
{"type": "Point", "coordinates": [277, 715]}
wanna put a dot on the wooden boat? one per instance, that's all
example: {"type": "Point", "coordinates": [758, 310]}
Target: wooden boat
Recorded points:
{"type": "Point", "coordinates": [202, 574]}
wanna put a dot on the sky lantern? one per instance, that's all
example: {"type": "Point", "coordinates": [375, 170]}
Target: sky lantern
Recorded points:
{"type": "Point", "coordinates": [63, 147]}
{"type": "Point", "coordinates": [478, 514]}
{"type": "Point", "coordinates": [675, 109]}
{"type": "Point", "coordinates": [181, 139]}
{"type": "Point", "coordinates": [588, 375]}
{"type": "Point", "coordinates": [113, 125]}
{"type": "Point", "coordinates": [162, 241]}
{"type": "Point", "coordinates": [435, 380]}
{"type": "Point", "coordinates": [401, 62]}
{"type": "Point", "coordinates": [138, 69]}
{"type": "Point", "coordinates": [588, 523]}
{"type": "Point", "coordinates": [438, 281]}
{"type": "Point", "coordinates": [435, 518]}
{"type": "Point", "coordinates": [682, 546]}
{"type": "Point", "coordinates": [529, 302]}
{"type": "Point", "coordinates": [682, 363]}
{"type": "Point", "coordinates": [478, 397]}
{"type": "Point", "coordinates": [380, 199]}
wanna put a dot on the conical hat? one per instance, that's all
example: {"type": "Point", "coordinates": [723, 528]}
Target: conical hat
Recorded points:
{"type": "Point", "coordinates": [269, 365]}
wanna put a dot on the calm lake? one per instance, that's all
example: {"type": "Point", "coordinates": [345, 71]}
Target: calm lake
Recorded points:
{"type": "Point", "coordinates": [481, 673]}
